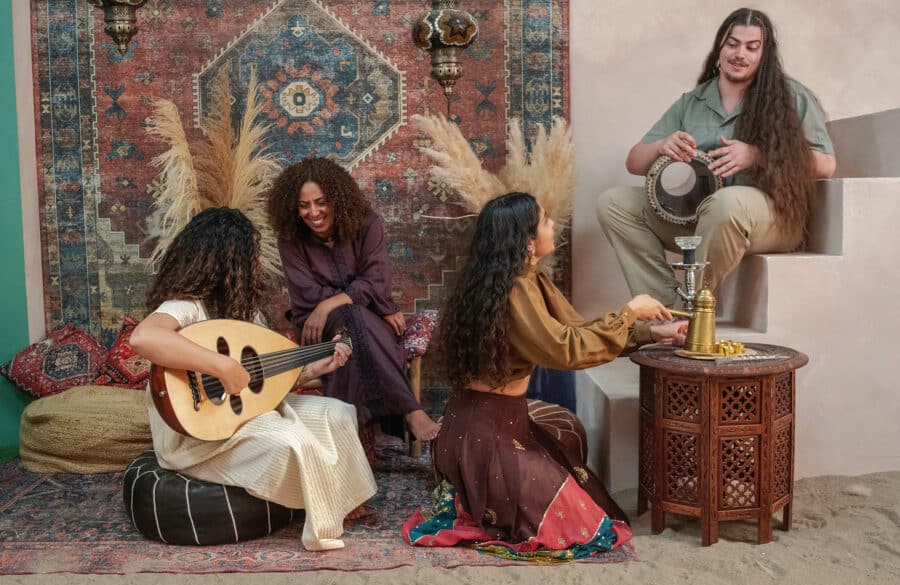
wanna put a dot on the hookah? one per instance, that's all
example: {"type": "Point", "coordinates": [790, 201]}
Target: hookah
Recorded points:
{"type": "Point", "coordinates": [688, 246]}
{"type": "Point", "coordinates": [700, 342]}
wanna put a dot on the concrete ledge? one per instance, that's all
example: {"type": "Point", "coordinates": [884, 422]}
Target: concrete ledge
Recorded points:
{"type": "Point", "coordinates": [608, 407]}
{"type": "Point", "coordinates": [867, 146]}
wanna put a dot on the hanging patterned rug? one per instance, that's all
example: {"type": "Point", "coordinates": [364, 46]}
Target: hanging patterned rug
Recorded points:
{"type": "Point", "coordinates": [338, 78]}
{"type": "Point", "coordinates": [78, 524]}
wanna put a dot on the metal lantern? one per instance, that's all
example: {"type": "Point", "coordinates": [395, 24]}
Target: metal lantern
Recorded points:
{"type": "Point", "coordinates": [119, 20]}
{"type": "Point", "coordinates": [445, 32]}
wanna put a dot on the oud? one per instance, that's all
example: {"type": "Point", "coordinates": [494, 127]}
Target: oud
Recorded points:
{"type": "Point", "coordinates": [196, 404]}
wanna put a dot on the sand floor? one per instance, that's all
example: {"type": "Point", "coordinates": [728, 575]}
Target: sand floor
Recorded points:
{"type": "Point", "coordinates": [846, 531]}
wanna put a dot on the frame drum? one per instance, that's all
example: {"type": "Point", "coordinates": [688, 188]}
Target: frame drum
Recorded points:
{"type": "Point", "coordinates": [675, 189]}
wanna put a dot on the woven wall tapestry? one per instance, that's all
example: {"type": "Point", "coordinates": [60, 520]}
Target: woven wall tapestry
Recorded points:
{"type": "Point", "coordinates": [340, 78]}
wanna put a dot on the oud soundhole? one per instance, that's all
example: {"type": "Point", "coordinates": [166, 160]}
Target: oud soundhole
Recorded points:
{"type": "Point", "coordinates": [236, 404]}
{"type": "Point", "coordinates": [251, 362]}
{"type": "Point", "coordinates": [222, 346]}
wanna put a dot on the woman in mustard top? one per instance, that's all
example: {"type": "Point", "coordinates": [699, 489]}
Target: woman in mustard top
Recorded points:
{"type": "Point", "coordinates": [509, 486]}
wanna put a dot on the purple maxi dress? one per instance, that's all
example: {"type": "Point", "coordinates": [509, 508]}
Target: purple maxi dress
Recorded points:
{"type": "Point", "coordinates": [374, 380]}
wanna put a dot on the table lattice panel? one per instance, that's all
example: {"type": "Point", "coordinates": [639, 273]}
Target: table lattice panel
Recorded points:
{"type": "Point", "coordinates": [784, 395]}
{"type": "Point", "coordinates": [681, 400]}
{"type": "Point", "coordinates": [647, 456]}
{"type": "Point", "coordinates": [739, 472]}
{"type": "Point", "coordinates": [682, 467]}
{"type": "Point", "coordinates": [646, 397]}
{"type": "Point", "coordinates": [740, 402]}
{"type": "Point", "coordinates": [783, 463]}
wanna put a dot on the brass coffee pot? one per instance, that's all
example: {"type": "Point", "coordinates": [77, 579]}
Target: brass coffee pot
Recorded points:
{"type": "Point", "coordinates": [701, 334]}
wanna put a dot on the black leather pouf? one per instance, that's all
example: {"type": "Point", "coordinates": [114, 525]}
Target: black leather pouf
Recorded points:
{"type": "Point", "coordinates": [176, 509]}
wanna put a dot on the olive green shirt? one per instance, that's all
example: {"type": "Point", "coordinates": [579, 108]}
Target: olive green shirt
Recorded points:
{"type": "Point", "coordinates": [545, 329]}
{"type": "Point", "coordinates": [700, 113]}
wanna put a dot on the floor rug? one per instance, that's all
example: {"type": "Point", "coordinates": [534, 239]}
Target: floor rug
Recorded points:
{"type": "Point", "coordinates": [51, 523]}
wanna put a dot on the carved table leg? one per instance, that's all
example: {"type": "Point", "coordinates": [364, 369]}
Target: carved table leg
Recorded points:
{"type": "Point", "coordinates": [786, 516]}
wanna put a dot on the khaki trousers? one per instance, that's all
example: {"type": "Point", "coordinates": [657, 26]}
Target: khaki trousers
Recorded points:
{"type": "Point", "coordinates": [733, 221]}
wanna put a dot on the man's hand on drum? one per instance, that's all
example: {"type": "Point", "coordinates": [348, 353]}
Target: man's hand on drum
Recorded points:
{"type": "Point", "coordinates": [733, 157]}
{"type": "Point", "coordinates": [679, 146]}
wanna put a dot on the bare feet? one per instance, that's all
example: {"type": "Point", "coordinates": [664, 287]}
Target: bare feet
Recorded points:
{"type": "Point", "coordinates": [421, 425]}
{"type": "Point", "coordinates": [359, 512]}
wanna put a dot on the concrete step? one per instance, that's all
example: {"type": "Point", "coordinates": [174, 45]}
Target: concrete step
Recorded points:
{"type": "Point", "coordinates": [607, 398]}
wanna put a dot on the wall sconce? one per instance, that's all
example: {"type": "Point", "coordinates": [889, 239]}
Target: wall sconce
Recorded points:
{"type": "Point", "coordinates": [445, 32]}
{"type": "Point", "coordinates": [119, 20]}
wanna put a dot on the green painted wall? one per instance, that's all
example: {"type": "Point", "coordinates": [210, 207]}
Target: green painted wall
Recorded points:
{"type": "Point", "coordinates": [13, 302]}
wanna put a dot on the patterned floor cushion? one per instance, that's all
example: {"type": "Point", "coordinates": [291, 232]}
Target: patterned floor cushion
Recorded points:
{"type": "Point", "coordinates": [66, 358]}
{"type": "Point", "coordinates": [123, 367]}
{"type": "Point", "coordinates": [175, 509]}
{"type": "Point", "coordinates": [87, 429]}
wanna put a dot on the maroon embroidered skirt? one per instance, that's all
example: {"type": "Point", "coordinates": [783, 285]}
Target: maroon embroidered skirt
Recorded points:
{"type": "Point", "coordinates": [506, 469]}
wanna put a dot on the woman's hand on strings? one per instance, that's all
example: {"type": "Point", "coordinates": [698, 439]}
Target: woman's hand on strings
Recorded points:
{"type": "Point", "coordinates": [329, 364]}
{"type": "Point", "coordinates": [233, 376]}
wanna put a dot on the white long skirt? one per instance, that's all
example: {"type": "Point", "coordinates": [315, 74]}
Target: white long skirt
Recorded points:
{"type": "Point", "coordinates": [305, 454]}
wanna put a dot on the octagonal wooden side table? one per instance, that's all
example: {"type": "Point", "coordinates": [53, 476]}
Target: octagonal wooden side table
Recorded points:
{"type": "Point", "coordinates": [717, 439]}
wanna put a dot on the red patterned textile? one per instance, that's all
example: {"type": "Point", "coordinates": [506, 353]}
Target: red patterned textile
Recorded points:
{"type": "Point", "coordinates": [573, 527]}
{"type": "Point", "coordinates": [339, 78]}
{"type": "Point", "coordinates": [123, 367]}
{"type": "Point", "coordinates": [419, 329]}
{"type": "Point", "coordinates": [66, 358]}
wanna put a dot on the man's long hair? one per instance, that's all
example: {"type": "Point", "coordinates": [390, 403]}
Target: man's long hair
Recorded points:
{"type": "Point", "coordinates": [770, 122]}
{"type": "Point", "coordinates": [473, 330]}
{"type": "Point", "coordinates": [341, 191]}
{"type": "Point", "coordinates": [215, 259]}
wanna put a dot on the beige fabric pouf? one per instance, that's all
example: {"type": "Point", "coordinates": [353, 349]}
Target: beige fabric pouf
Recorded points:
{"type": "Point", "coordinates": [87, 429]}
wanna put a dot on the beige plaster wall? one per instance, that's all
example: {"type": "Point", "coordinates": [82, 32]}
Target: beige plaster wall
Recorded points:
{"type": "Point", "coordinates": [631, 59]}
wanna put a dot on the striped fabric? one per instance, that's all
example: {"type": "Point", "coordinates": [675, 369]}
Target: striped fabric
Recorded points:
{"type": "Point", "coordinates": [175, 509]}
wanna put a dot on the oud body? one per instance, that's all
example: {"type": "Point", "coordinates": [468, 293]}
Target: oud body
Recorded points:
{"type": "Point", "coordinates": [197, 405]}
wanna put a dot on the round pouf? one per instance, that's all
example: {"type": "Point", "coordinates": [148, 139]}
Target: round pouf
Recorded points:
{"type": "Point", "coordinates": [176, 509]}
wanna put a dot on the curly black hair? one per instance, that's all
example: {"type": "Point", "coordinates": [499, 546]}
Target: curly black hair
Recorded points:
{"type": "Point", "coordinates": [770, 122]}
{"type": "Point", "coordinates": [347, 202]}
{"type": "Point", "coordinates": [214, 259]}
{"type": "Point", "coordinates": [474, 318]}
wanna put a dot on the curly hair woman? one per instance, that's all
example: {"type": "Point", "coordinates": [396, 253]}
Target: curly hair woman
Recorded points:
{"type": "Point", "coordinates": [767, 137]}
{"type": "Point", "coordinates": [305, 453]}
{"type": "Point", "coordinates": [508, 484]}
{"type": "Point", "coordinates": [339, 277]}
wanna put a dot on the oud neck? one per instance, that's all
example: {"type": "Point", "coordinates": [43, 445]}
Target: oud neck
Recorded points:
{"type": "Point", "coordinates": [283, 361]}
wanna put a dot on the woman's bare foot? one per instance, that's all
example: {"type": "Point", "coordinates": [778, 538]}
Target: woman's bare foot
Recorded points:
{"type": "Point", "coordinates": [359, 512]}
{"type": "Point", "coordinates": [421, 425]}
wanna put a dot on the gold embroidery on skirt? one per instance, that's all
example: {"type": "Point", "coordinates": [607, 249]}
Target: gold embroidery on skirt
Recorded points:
{"type": "Point", "coordinates": [518, 445]}
{"type": "Point", "coordinates": [580, 474]}
{"type": "Point", "coordinates": [490, 516]}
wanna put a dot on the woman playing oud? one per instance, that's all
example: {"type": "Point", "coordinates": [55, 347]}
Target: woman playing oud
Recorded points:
{"type": "Point", "coordinates": [510, 486]}
{"type": "Point", "coordinates": [305, 453]}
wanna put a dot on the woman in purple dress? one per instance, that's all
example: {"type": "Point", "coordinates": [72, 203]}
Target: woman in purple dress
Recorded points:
{"type": "Point", "coordinates": [338, 276]}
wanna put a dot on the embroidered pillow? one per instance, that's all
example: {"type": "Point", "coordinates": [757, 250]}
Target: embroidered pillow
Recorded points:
{"type": "Point", "coordinates": [419, 329]}
{"type": "Point", "coordinates": [123, 367]}
{"type": "Point", "coordinates": [66, 358]}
